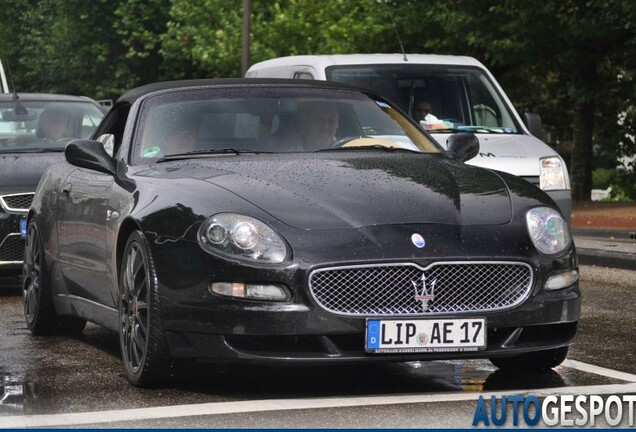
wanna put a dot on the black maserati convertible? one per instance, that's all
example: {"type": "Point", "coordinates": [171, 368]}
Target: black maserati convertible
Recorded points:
{"type": "Point", "coordinates": [293, 222]}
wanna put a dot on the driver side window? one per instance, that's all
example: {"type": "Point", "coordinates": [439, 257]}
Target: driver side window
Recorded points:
{"type": "Point", "coordinates": [108, 141]}
{"type": "Point", "coordinates": [111, 131]}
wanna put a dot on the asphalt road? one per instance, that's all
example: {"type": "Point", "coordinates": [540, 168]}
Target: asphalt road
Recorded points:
{"type": "Point", "coordinates": [61, 381]}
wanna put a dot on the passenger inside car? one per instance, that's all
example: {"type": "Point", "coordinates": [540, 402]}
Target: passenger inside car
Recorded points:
{"type": "Point", "coordinates": [172, 136]}
{"type": "Point", "coordinates": [184, 137]}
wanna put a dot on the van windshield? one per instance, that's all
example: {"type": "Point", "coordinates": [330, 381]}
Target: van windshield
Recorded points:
{"type": "Point", "coordinates": [441, 98]}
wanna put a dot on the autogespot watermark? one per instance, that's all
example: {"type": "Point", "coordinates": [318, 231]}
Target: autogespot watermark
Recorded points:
{"type": "Point", "coordinates": [561, 411]}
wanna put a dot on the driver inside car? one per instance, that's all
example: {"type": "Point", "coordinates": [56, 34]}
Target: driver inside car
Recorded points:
{"type": "Point", "coordinates": [317, 123]}
{"type": "Point", "coordinates": [51, 125]}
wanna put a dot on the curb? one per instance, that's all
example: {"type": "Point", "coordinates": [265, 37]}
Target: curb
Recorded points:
{"type": "Point", "coordinates": [605, 258]}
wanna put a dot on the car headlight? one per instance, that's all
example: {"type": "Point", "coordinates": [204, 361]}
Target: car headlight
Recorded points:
{"type": "Point", "coordinates": [242, 237]}
{"type": "Point", "coordinates": [548, 230]}
{"type": "Point", "coordinates": [552, 176]}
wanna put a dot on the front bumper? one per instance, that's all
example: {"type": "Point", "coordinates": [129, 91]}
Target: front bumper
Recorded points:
{"type": "Point", "coordinates": [209, 327]}
{"type": "Point", "coordinates": [297, 336]}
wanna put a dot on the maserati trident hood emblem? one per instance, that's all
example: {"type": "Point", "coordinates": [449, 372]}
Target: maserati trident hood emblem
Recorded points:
{"type": "Point", "coordinates": [424, 293]}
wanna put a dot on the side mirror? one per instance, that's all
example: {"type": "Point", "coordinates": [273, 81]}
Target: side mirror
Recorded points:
{"type": "Point", "coordinates": [462, 146]}
{"type": "Point", "coordinates": [533, 121]}
{"type": "Point", "coordinates": [90, 154]}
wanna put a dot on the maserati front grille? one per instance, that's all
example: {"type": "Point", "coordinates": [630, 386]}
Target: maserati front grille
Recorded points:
{"type": "Point", "coordinates": [407, 289]}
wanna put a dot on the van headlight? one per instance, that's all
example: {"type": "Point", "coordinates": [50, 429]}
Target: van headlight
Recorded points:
{"type": "Point", "coordinates": [548, 230]}
{"type": "Point", "coordinates": [242, 237]}
{"type": "Point", "coordinates": [552, 175]}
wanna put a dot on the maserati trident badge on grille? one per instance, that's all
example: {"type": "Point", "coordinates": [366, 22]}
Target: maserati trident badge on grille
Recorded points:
{"type": "Point", "coordinates": [427, 292]}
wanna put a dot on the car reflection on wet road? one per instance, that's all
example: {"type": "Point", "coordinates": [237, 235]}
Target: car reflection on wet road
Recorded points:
{"type": "Point", "coordinates": [58, 374]}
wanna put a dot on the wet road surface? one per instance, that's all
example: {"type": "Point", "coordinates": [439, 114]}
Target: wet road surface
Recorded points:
{"type": "Point", "coordinates": [57, 374]}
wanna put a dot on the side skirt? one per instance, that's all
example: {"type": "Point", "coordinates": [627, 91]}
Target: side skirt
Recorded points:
{"type": "Point", "coordinates": [67, 304]}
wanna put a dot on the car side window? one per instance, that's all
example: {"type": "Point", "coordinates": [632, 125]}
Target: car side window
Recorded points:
{"type": "Point", "coordinates": [113, 124]}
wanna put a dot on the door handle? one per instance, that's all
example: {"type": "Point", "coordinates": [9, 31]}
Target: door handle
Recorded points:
{"type": "Point", "coordinates": [66, 191]}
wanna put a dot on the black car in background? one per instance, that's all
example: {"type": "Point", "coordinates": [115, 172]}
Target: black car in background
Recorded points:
{"type": "Point", "coordinates": [34, 128]}
{"type": "Point", "coordinates": [297, 222]}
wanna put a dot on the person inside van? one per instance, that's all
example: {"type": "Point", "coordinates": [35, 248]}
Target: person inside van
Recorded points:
{"type": "Point", "coordinates": [423, 111]}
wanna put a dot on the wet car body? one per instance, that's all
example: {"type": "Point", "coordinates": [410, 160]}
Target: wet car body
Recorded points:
{"type": "Point", "coordinates": [23, 161]}
{"type": "Point", "coordinates": [363, 231]}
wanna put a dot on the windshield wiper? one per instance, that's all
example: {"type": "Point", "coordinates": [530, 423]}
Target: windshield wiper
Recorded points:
{"type": "Point", "coordinates": [368, 147]}
{"type": "Point", "coordinates": [32, 150]}
{"type": "Point", "coordinates": [198, 153]}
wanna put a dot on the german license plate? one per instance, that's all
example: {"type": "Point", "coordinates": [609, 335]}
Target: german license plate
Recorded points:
{"type": "Point", "coordinates": [431, 335]}
{"type": "Point", "coordinates": [23, 228]}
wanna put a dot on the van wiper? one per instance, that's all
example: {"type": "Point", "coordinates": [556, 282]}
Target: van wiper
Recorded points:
{"type": "Point", "coordinates": [203, 153]}
{"type": "Point", "coordinates": [473, 129]}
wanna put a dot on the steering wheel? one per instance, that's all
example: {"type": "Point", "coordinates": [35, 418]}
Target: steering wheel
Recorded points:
{"type": "Point", "coordinates": [369, 142]}
{"type": "Point", "coordinates": [342, 141]}
{"type": "Point", "coordinates": [64, 140]}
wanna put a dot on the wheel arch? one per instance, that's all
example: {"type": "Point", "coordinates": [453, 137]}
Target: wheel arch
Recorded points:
{"type": "Point", "coordinates": [127, 227]}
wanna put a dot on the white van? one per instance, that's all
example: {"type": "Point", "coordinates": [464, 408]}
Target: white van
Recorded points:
{"type": "Point", "coordinates": [461, 94]}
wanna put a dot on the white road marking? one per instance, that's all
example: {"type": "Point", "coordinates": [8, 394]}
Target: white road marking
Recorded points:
{"type": "Point", "coordinates": [598, 370]}
{"type": "Point", "coordinates": [176, 411]}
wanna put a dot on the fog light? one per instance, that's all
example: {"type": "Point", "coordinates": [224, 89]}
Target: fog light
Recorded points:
{"type": "Point", "coordinates": [562, 280]}
{"type": "Point", "coordinates": [251, 291]}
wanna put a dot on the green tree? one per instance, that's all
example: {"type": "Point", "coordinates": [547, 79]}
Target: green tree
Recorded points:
{"type": "Point", "coordinates": [63, 47]}
{"type": "Point", "coordinates": [206, 36]}
{"type": "Point", "coordinates": [573, 61]}
{"type": "Point", "coordinates": [565, 58]}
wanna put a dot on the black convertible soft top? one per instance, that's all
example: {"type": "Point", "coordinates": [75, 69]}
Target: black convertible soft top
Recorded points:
{"type": "Point", "coordinates": [132, 95]}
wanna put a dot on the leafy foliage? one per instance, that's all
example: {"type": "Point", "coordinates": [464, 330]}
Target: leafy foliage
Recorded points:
{"type": "Point", "coordinates": [573, 61]}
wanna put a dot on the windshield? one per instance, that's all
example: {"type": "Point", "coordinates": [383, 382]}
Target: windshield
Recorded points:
{"type": "Point", "coordinates": [272, 120]}
{"type": "Point", "coordinates": [440, 98]}
{"type": "Point", "coordinates": [45, 125]}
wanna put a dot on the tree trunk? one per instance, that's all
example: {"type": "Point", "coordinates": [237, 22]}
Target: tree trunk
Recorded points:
{"type": "Point", "coordinates": [581, 165]}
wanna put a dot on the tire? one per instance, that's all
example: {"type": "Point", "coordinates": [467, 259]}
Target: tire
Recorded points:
{"type": "Point", "coordinates": [39, 312]}
{"type": "Point", "coordinates": [532, 361]}
{"type": "Point", "coordinates": [145, 356]}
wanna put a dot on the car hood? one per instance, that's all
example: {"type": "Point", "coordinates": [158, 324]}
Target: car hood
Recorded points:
{"type": "Point", "coordinates": [21, 172]}
{"type": "Point", "coordinates": [329, 191]}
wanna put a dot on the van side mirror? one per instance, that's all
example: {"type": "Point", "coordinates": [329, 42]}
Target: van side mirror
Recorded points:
{"type": "Point", "coordinates": [462, 146]}
{"type": "Point", "coordinates": [533, 121]}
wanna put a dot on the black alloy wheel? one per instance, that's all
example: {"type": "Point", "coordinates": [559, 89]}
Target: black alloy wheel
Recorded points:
{"type": "Point", "coordinates": [145, 355]}
{"type": "Point", "coordinates": [39, 312]}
